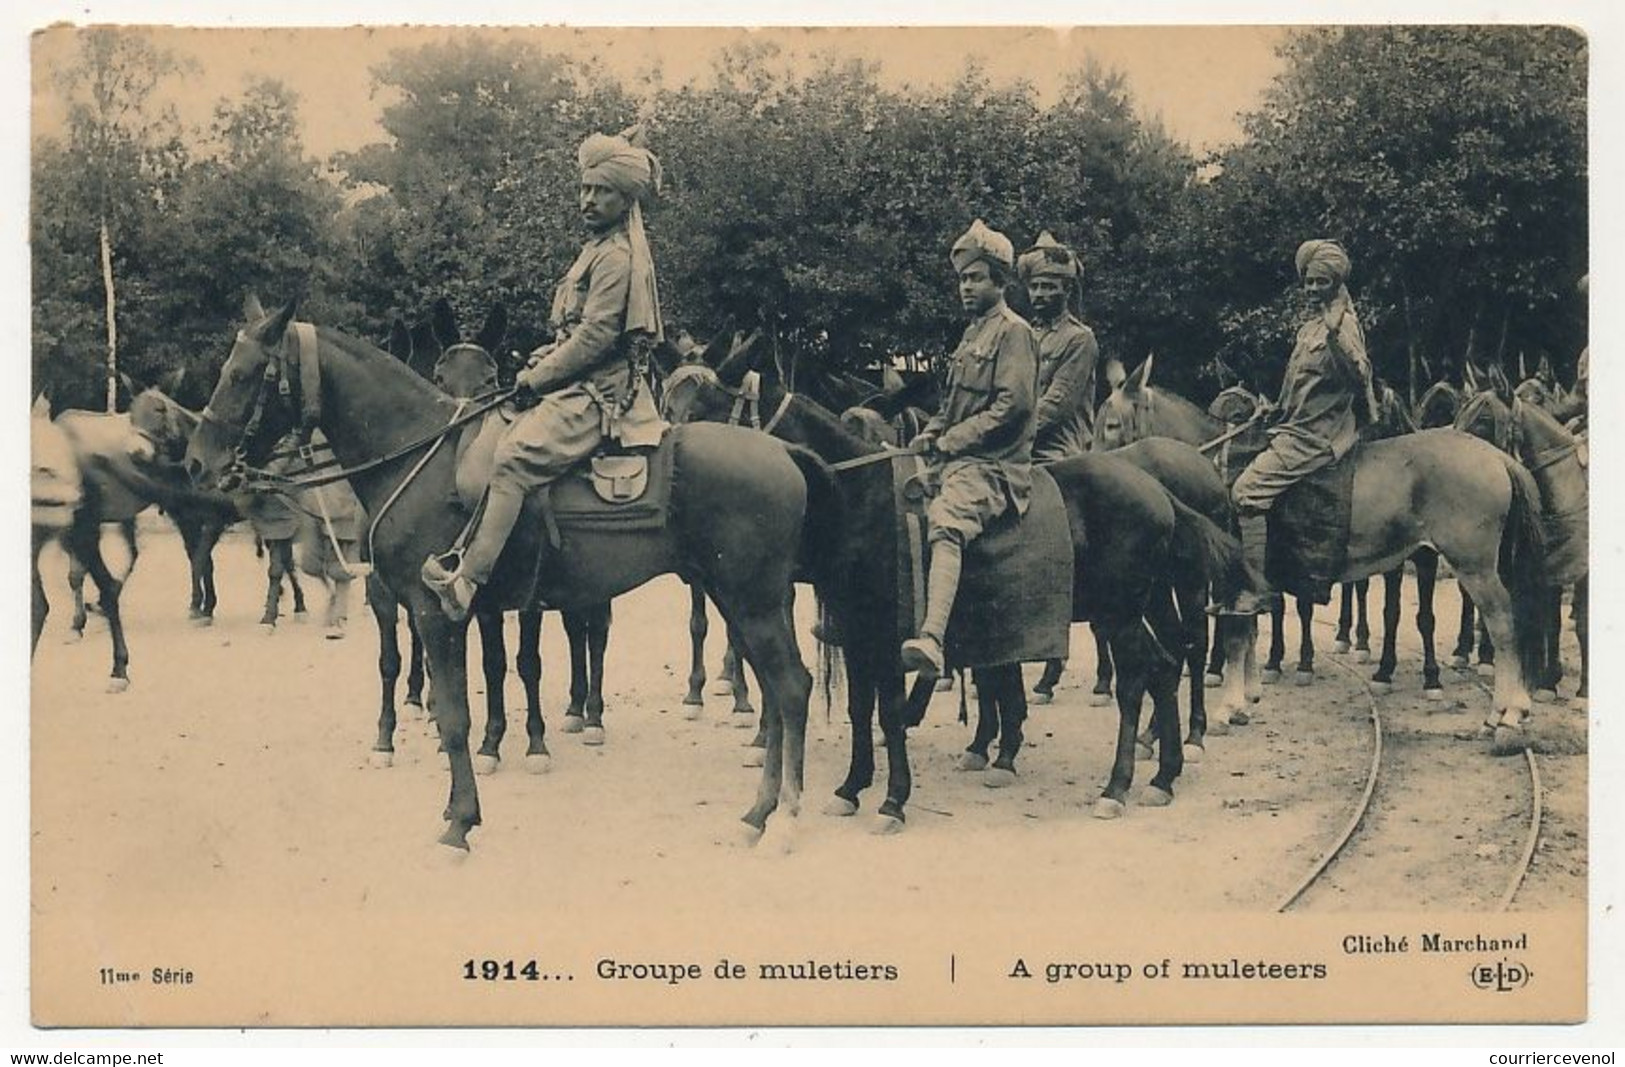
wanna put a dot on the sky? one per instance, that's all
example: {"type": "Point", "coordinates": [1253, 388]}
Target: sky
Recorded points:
{"type": "Point", "coordinates": [1195, 79]}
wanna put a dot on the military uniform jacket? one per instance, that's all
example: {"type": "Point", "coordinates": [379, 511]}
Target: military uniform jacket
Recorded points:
{"type": "Point", "coordinates": [987, 416]}
{"type": "Point", "coordinates": [591, 358]}
{"type": "Point", "coordinates": [1325, 378]}
{"type": "Point", "coordinates": [1067, 354]}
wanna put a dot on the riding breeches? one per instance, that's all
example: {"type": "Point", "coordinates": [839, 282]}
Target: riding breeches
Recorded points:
{"type": "Point", "coordinates": [543, 443]}
{"type": "Point", "coordinates": [972, 493]}
{"type": "Point", "coordinates": [1288, 459]}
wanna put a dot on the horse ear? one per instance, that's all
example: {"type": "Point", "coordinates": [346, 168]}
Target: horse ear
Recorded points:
{"type": "Point", "coordinates": [424, 348]}
{"type": "Point", "coordinates": [270, 332]}
{"type": "Point", "coordinates": [714, 352]}
{"type": "Point", "coordinates": [1138, 378]}
{"type": "Point", "coordinates": [400, 340]}
{"type": "Point", "coordinates": [1498, 382]}
{"type": "Point", "coordinates": [1469, 377]}
{"type": "Point", "coordinates": [171, 384]}
{"type": "Point", "coordinates": [253, 310]}
{"type": "Point", "coordinates": [666, 357]}
{"type": "Point", "coordinates": [129, 384]}
{"type": "Point", "coordinates": [444, 323]}
{"type": "Point", "coordinates": [42, 405]}
{"type": "Point", "coordinates": [491, 334]}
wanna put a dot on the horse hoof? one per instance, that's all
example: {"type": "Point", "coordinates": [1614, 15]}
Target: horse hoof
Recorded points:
{"type": "Point", "coordinates": [1218, 727]}
{"type": "Point", "coordinates": [592, 735]}
{"type": "Point", "coordinates": [1508, 740]}
{"type": "Point", "coordinates": [1435, 693]}
{"type": "Point", "coordinates": [722, 687]}
{"type": "Point", "coordinates": [1194, 753]}
{"type": "Point", "coordinates": [693, 699]}
{"type": "Point", "coordinates": [1100, 700]}
{"type": "Point", "coordinates": [1270, 677]}
{"type": "Point", "coordinates": [381, 760]}
{"type": "Point", "coordinates": [1544, 696]}
{"type": "Point", "coordinates": [1041, 697]}
{"type": "Point", "coordinates": [416, 710]}
{"type": "Point", "coordinates": [334, 633]}
{"type": "Point", "coordinates": [945, 684]}
{"type": "Point", "coordinates": [1362, 655]}
{"type": "Point", "coordinates": [1237, 718]}
{"type": "Point", "coordinates": [1340, 646]}
{"type": "Point", "coordinates": [538, 763]}
{"type": "Point", "coordinates": [746, 836]}
{"type": "Point", "coordinates": [201, 621]}
{"type": "Point", "coordinates": [755, 757]}
{"type": "Point", "coordinates": [744, 720]}
{"type": "Point", "coordinates": [1155, 797]}
{"type": "Point", "coordinates": [1212, 681]}
{"type": "Point", "coordinates": [886, 825]}
{"type": "Point", "coordinates": [840, 807]}
{"type": "Point", "coordinates": [693, 712]}
{"type": "Point", "coordinates": [1143, 752]}
{"type": "Point", "coordinates": [1486, 670]}
{"type": "Point", "coordinates": [268, 629]}
{"type": "Point", "coordinates": [999, 778]}
{"type": "Point", "coordinates": [117, 685]}
{"type": "Point", "coordinates": [1107, 808]}
{"type": "Point", "coordinates": [484, 764]}
{"type": "Point", "coordinates": [573, 724]}
{"type": "Point", "coordinates": [1381, 688]}
{"type": "Point", "coordinates": [781, 835]}
{"type": "Point", "coordinates": [1461, 663]}
{"type": "Point", "coordinates": [1303, 678]}
{"type": "Point", "coordinates": [970, 761]}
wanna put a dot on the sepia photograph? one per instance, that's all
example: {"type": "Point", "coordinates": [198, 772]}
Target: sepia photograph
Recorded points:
{"type": "Point", "coordinates": [862, 526]}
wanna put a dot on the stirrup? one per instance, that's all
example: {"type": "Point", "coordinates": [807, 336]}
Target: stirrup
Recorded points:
{"type": "Point", "coordinates": [456, 592]}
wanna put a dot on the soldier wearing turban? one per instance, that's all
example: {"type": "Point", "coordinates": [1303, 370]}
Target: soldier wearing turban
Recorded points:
{"type": "Point", "coordinates": [980, 443]}
{"type": "Point", "coordinates": [1067, 351]}
{"type": "Point", "coordinates": [606, 314]}
{"type": "Point", "coordinates": [1326, 390]}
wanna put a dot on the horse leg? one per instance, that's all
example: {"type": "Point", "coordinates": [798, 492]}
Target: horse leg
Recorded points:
{"type": "Point", "coordinates": [1462, 655]}
{"type": "Point", "coordinates": [206, 546]}
{"type": "Point", "coordinates": [76, 584]}
{"type": "Point", "coordinates": [1388, 658]}
{"type": "Point", "coordinates": [1427, 574]}
{"type": "Point", "coordinates": [191, 533]}
{"type": "Point", "coordinates": [1272, 665]}
{"type": "Point", "coordinates": [1345, 619]}
{"type": "Point", "coordinates": [41, 607]}
{"type": "Point", "coordinates": [598, 620]}
{"type": "Point", "coordinates": [414, 666]}
{"type": "Point", "coordinates": [528, 662]}
{"type": "Point", "coordinates": [385, 611]}
{"type": "Point", "coordinates": [1164, 687]}
{"type": "Point", "coordinates": [899, 781]}
{"type": "Point", "coordinates": [1217, 655]}
{"type": "Point", "coordinates": [494, 665]}
{"type": "Point", "coordinates": [288, 568]}
{"type": "Point", "coordinates": [733, 671]}
{"type": "Point", "coordinates": [1306, 641]}
{"type": "Point", "coordinates": [1131, 656]}
{"type": "Point", "coordinates": [698, 624]}
{"type": "Point", "coordinates": [446, 645]}
{"type": "Point", "coordinates": [1192, 604]}
{"type": "Point", "coordinates": [1511, 701]}
{"type": "Point", "coordinates": [87, 546]}
{"type": "Point", "coordinates": [1581, 609]}
{"type": "Point", "coordinates": [769, 646]}
{"type": "Point", "coordinates": [1044, 688]}
{"type": "Point", "coordinates": [1362, 624]}
{"type": "Point", "coordinates": [860, 708]}
{"type": "Point", "coordinates": [1101, 695]}
{"type": "Point", "coordinates": [974, 758]}
{"type": "Point", "coordinates": [338, 605]}
{"type": "Point", "coordinates": [575, 631]}
{"type": "Point", "coordinates": [1550, 671]}
{"type": "Point", "coordinates": [1010, 702]}
{"type": "Point", "coordinates": [274, 567]}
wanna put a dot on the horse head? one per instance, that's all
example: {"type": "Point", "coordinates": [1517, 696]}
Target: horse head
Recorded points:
{"type": "Point", "coordinates": [468, 368]}
{"type": "Point", "coordinates": [163, 422]}
{"type": "Point", "coordinates": [254, 403]}
{"type": "Point", "coordinates": [1439, 405]}
{"type": "Point", "coordinates": [705, 384]}
{"type": "Point", "coordinates": [1118, 422]}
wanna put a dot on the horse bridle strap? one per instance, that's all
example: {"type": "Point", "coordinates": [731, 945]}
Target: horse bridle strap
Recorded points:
{"type": "Point", "coordinates": [310, 377]}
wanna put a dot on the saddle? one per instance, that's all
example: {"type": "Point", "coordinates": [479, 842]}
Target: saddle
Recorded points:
{"type": "Point", "coordinates": [1015, 588]}
{"type": "Point", "coordinates": [1309, 531]}
{"type": "Point", "coordinates": [617, 487]}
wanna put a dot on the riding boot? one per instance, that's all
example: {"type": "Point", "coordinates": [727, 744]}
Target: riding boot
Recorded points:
{"type": "Point", "coordinates": [925, 653]}
{"type": "Point", "coordinates": [1257, 598]}
{"type": "Point", "coordinates": [456, 589]}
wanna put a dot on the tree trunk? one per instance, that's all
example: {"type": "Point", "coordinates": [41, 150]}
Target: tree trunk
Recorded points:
{"type": "Point", "coordinates": [112, 325]}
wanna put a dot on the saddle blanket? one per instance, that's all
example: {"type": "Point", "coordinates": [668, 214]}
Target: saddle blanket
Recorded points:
{"type": "Point", "coordinates": [642, 481]}
{"type": "Point", "coordinates": [1309, 531]}
{"type": "Point", "coordinates": [1015, 590]}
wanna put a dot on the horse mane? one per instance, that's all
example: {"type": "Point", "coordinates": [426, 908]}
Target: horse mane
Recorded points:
{"type": "Point", "coordinates": [386, 364]}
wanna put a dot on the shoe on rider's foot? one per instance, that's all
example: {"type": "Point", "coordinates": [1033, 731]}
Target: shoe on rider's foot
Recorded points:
{"type": "Point", "coordinates": [456, 592]}
{"type": "Point", "coordinates": [924, 654]}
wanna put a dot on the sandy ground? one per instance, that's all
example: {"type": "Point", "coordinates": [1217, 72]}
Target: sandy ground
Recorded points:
{"type": "Point", "coordinates": [233, 778]}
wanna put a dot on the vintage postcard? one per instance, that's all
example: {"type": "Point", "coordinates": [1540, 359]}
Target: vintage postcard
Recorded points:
{"type": "Point", "coordinates": [542, 527]}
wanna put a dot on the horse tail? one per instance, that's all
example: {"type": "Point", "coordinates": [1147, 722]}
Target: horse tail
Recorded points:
{"type": "Point", "coordinates": [819, 558]}
{"type": "Point", "coordinates": [1522, 567]}
{"type": "Point", "coordinates": [1209, 554]}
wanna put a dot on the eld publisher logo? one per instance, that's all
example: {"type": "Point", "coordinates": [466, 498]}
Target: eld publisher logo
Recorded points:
{"type": "Point", "coordinates": [1502, 977]}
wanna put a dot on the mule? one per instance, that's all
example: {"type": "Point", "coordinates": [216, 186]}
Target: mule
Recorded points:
{"type": "Point", "coordinates": [1131, 538]}
{"type": "Point", "coordinates": [736, 520]}
{"type": "Point", "coordinates": [1438, 489]}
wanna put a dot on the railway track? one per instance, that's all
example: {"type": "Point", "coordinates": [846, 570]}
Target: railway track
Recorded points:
{"type": "Point", "coordinates": [1365, 820]}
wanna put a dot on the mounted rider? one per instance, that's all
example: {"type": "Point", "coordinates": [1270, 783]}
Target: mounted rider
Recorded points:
{"type": "Point", "coordinates": [606, 313]}
{"type": "Point", "coordinates": [1572, 409]}
{"type": "Point", "coordinates": [980, 444]}
{"type": "Point", "coordinates": [1067, 351]}
{"type": "Point", "coordinates": [1326, 394]}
